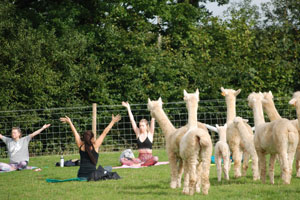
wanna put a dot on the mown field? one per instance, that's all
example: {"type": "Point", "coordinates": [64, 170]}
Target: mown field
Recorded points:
{"type": "Point", "coordinates": [142, 183]}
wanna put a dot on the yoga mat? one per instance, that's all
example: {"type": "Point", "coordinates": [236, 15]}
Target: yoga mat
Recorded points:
{"type": "Point", "coordinates": [139, 166]}
{"type": "Point", "coordinates": [64, 180]}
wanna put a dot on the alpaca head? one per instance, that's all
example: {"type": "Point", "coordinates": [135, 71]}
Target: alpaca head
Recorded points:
{"type": "Point", "coordinates": [254, 98]}
{"type": "Point", "coordinates": [295, 101]}
{"type": "Point", "coordinates": [239, 120]}
{"type": "Point", "coordinates": [267, 98]}
{"type": "Point", "coordinates": [230, 94]}
{"type": "Point", "coordinates": [221, 129]}
{"type": "Point", "coordinates": [152, 105]}
{"type": "Point", "coordinates": [191, 99]}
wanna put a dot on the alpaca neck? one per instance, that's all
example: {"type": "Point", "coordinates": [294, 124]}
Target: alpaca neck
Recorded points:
{"type": "Point", "coordinates": [163, 122]}
{"type": "Point", "coordinates": [258, 114]}
{"type": "Point", "coordinates": [222, 137]}
{"type": "Point", "coordinates": [271, 111]}
{"type": "Point", "coordinates": [192, 116]}
{"type": "Point", "coordinates": [298, 113]}
{"type": "Point", "coordinates": [231, 112]}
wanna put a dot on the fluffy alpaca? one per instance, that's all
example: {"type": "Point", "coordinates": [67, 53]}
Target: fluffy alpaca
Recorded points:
{"type": "Point", "coordinates": [173, 137]}
{"type": "Point", "coordinates": [270, 109]}
{"type": "Point", "coordinates": [276, 137]}
{"type": "Point", "coordinates": [195, 150]}
{"type": "Point", "coordinates": [236, 143]}
{"type": "Point", "coordinates": [222, 152]}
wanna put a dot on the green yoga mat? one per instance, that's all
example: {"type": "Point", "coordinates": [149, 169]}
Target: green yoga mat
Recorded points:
{"type": "Point", "coordinates": [64, 180]}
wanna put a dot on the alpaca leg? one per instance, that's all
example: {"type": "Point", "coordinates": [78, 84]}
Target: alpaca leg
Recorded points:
{"type": "Point", "coordinates": [226, 165]}
{"type": "Point", "coordinates": [255, 169]}
{"type": "Point", "coordinates": [262, 165]}
{"type": "Point", "coordinates": [173, 166]}
{"type": "Point", "coordinates": [291, 156]}
{"type": "Point", "coordinates": [297, 163]}
{"type": "Point", "coordinates": [284, 167]}
{"type": "Point", "coordinates": [236, 155]}
{"type": "Point", "coordinates": [245, 163]}
{"type": "Point", "coordinates": [271, 167]}
{"type": "Point", "coordinates": [193, 176]}
{"type": "Point", "coordinates": [186, 178]}
{"type": "Point", "coordinates": [218, 161]}
{"type": "Point", "coordinates": [179, 173]}
{"type": "Point", "coordinates": [205, 175]}
{"type": "Point", "coordinates": [199, 174]}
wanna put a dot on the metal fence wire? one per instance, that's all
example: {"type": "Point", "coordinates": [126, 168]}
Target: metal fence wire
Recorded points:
{"type": "Point", "coordinates": [58, 138]}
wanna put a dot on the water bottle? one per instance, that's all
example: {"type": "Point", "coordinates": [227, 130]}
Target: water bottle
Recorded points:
{"type": "Point", "coordinates": [62, 162]}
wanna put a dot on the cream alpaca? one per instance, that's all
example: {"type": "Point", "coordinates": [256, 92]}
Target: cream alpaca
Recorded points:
{"type": "Point", "coordinates": [222, 152]}
{"type": "Point", "coordinates": [270, 109]}
{"type": "Point", "coordinates": [195, 150]}
{"type": "Point", "coordinates": [276, 137]}
{"type": "Point", "coordinates": [173, 137]}
{"type": "Point", "coordinates": [239, 146]}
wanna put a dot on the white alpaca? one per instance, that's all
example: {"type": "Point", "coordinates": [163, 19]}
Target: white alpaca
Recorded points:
{"type": "Point", "coordinates": [173, 137]}
{"type": "Point", "coordinates": [222, 152]}
{"type": "Point", "coordinates": [270, 109]}
{"type": "Point", "coordinates": [236, 143]}
{"type": "Point", "coordinates": [195, 150]}
{"type": "Point", "coordinates": [276, 137]}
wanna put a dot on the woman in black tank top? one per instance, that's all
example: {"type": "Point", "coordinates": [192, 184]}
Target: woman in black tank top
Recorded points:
{"type": "Point", "coordinates": [144, 135]}
{"type": "Point", "coordinates": [88, 146]}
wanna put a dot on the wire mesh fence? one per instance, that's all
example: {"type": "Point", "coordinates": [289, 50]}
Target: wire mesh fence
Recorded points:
{"type": "Point", "coordinates": [58, 138]}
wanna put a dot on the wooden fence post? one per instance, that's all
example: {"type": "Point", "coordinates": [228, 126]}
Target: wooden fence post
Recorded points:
{"type": "Point", "coordinates": [94, 121]}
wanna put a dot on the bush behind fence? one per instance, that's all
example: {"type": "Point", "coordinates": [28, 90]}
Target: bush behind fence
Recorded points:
{"type": "Point", "coordinates": [58, 139]}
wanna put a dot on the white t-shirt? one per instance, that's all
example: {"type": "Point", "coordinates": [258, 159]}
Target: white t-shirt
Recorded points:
{"type": "Point", "coordinates": [17, 150]}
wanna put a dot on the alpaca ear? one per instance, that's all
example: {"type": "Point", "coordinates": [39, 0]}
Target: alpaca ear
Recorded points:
{"type": "Point", "coordinates": [292, 102]}
{"type": "Point", "coordinates": [217, 126]}
{"type": "Point", "coordinates": [237, 92]}
{"type": "Point", "coordinates": [160, 101]}
{"type": "Point", "coordinates": [225, 126]}
{"type": "Point", "coordinates": [149, 101]}
{"type": "Point", "coordinates": [197, 92]}
{"type": "Point", "coordinates": [185, 93]}
{"type": "Point", "coordinates": [246, 120]}
{"type": "Point", "coordinates": [223, 91]}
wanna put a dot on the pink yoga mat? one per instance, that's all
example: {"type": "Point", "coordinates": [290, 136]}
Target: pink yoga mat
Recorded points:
{"type": "Point", "coordinates": [139, 165]}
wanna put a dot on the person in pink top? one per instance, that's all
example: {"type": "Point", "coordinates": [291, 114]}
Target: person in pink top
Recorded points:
{"type": "Point", "coordinates": [144, 135]}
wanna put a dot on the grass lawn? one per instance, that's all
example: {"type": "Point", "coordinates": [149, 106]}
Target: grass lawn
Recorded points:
{"type": "Point", "coordinates": [142, 183]}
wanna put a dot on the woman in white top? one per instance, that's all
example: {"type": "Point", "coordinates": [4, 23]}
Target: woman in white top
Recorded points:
{"type": "Point", "coordinates": [17, 148]}
{"type": "Point", "coordinates": [144, 135]}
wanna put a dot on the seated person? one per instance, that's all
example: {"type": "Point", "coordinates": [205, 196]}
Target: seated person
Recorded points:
{"type": "Point", "coordinates": [144, 136]}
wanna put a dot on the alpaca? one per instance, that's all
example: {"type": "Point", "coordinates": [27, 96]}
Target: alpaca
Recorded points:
{"type": "Point", "coordinates": [271, 111]}
{"type": "Point", "coordinates": [173, 137]}
{"type": "Point", "coordinates": [276, 137]}
{"type": "Point", "coordinates": [222, 152]}
{"type": "Point", "coordinates": [236, 143]}
{"type": "Point", "coordinates": [195, 150]}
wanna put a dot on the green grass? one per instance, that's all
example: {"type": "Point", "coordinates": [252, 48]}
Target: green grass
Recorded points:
{"type": "Point", "coordinates": [143, 183]}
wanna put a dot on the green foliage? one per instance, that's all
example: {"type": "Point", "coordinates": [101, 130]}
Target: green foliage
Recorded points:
{"type": "Point", "coordinates": [68, 53]}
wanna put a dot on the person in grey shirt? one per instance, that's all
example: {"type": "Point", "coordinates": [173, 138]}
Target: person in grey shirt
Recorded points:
{"type": "Point", "coordinates": [17, 148]}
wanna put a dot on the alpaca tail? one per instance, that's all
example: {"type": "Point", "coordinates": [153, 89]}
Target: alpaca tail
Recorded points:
{"type": "Point", "coordinates": [203, 138]}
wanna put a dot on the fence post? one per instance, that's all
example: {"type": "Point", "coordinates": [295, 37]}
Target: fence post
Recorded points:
{"type": "Point", "coordinates": [94, 121]}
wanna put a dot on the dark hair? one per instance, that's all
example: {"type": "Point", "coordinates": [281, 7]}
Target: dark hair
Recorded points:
{"type": "Point", "coordinates": [88, 145]}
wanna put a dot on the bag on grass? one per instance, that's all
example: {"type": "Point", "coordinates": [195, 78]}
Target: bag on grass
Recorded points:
{"type": "Point", "coordinates": [127, 153]}
{"type": "Point", "coordinates": [102, 174]}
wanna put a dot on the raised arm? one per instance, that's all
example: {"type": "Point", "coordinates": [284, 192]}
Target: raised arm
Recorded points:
{"type": "Point", "coordinates": [134, 126]}
{"type": "Point", "coordinates": [67, 120]}
{"type": "Point", "coordinates": [106, 130]}
{"type": "Point", "coordinates": [152, 126]}
{"type": "Point", "coordinates": [39, 131]}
